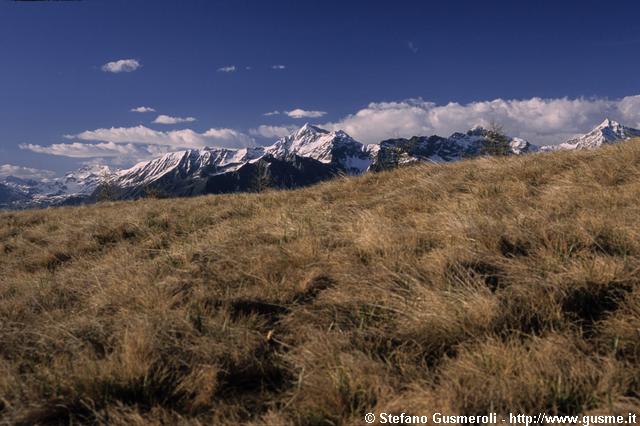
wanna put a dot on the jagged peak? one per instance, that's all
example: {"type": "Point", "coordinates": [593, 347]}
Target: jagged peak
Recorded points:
{"type": "Point", "coordinates": [93, 168]}
{"type": "Point", "coordinates": [308, 129]}
{"type": "Point", "coordinates": [608, 131]}
{"type": "Point", "coordinates": [608, 123]}
{"type": "Point", "coordinates": [311, 135]}
{"type": "Point", "coordinates": [89, 170]}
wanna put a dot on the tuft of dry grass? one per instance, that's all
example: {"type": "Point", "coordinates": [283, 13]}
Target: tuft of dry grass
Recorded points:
{"type": "Point", "coordinates": [493, 284]}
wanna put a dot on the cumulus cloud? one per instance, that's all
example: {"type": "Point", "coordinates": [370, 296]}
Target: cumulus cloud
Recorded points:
{"type": "Point", "coordinates": [122, 65]}
{"type": "Point", "coordinates": [125, 145]}
{"type": "Point", "coordinates": [541, 121]}
{"type": "Point", "coordinates": [167, 119]}
{"type": "Point", "coordinates": [270, 113]}
{"type": "Point", "coordinates": [184, 138]}
{"type": "Point", "coordinates": [121, 155]}
{"type": "Point", "coordinates": [228, 68]}
{"type": "Point", "coordinates": [24, 172]}
{"type": "Point", "coordinates": [84, 150]}
{"type": "Point", "coordinates": [629, 108]}
{"type": "Point", "coordinates": [272, 131]}
{"type": "Point", "coordinates": [278, 67]}
{"type": "Point", "coordinates": [229, 136]}
{"type": "Point", "coordinates": [143, 109]}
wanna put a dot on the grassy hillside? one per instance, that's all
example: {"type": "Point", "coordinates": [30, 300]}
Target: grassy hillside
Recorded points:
{"type": "Point", "coordinates": [486, 285]}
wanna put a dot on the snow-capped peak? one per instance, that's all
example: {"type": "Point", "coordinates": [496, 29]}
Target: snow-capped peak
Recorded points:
{"type": "Point", "coordinates": [309, 129]}
{"type": "Point", "coordinates": [608, 123]}
{"type": "Point", "coordinates": [85, 179]}
{"type": "Point", "coordinates": [329, 147]}
{"type": "Point", "coordinates": [89, 170]}
{"type": "Point", "coordinates": [195, 162]}
{"type": "Point", "coordinates": [307, 141]}
{"type": "Point", "coordinates": [607, 132]}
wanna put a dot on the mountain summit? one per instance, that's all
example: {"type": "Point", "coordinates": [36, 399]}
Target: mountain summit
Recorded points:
{"type": "Point", "coordinates": [336, 147]}
{"type": "Point", "coordinates": [607, 132]}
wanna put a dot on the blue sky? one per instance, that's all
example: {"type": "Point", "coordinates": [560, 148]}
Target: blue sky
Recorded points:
{"type": "Point", "coordinates": [377, 69]}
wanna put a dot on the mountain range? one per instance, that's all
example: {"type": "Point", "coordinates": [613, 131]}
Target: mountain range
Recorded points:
{"type": "Point", "coordinates": [307, 156]}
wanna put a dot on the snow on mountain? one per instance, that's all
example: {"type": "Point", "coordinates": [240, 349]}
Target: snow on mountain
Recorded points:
{"type": "Point", "coordinates": [11, 196]}
{"type": "Point", "coordinates": [475, 139]}
{"type": "Point", "coordinates": [335, 147]}
{"type": "Point", "coordinates": [85, 180]}
{"type": "Point", "coordinates": [78, 184]}
{"type": "Point", "coordinates": [521, 146]}
{"type": "Point", "coordinates": [607, 132]}
{"type": "Point", "coordinates": [330, 148]}
{"type": "Point", "coordinates": [394, 152]}
{"type": "Point", "coordinates": [32, 186]}
{"type": "Point", "coordinates": [306, 156]}
{"type": "Point", "coordinates": [189, 163]}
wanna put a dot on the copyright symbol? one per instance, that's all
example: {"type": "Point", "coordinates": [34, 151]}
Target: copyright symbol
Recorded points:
{"type": "Point", "coordinates": [370, 418]}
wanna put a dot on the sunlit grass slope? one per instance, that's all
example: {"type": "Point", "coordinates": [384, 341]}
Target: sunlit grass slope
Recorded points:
{"type": "Point", "coordinates": [491, 284]}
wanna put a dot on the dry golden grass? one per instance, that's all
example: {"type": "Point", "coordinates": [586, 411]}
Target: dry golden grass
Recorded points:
{"type": "Point", "coordinates": [486, 285]}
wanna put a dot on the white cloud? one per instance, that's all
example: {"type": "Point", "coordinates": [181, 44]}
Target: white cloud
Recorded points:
{"type": "Point", "coordinates": [184, 138]}
{"type": "Point", "coordinates": [272, 131]}
{"type": "Point", "coordinates": [277, 67]}
{"type": "Point", "coordinates": [125, 145]}
{"type": "Point", "coordinates": [297, 113]}
{"type": "Point", "coordinates": [84, 150]}
{"type": "Point", "coordinates": [24, 172]}
{"type": "Point", "coordinates": [301, 113]}
{"type": "Point", "coordinates": [225, 134]}
{"type": "Point", "coordinates": [120, 155]}
{"type": "Point", "coordinates": [629, 108]}
{"type": "Point", "coordinates": [228, 68]}
{"type": "Point", "coordinates": [143, 109]}
{"type": "Point", "coordinates": [122, 65]}
{"type": "Point", "coordinates": [167, 119]}
{"type": "Point", "coordinates": [541, 121]}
